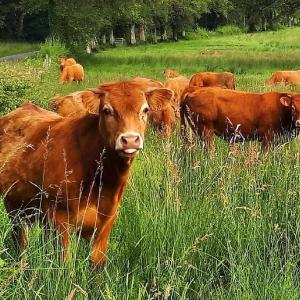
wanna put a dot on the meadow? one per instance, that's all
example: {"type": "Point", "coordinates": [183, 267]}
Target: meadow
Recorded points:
{"type": "Point", "coordinates": [190, 226]}
{"type": "Point", "coordinates": [11, 48]}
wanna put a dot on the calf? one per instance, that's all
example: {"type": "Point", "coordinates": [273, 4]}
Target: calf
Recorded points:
{"type": "Point", "coordinates": [71, 73]}
{"type": "Point", "coordinates": [74, 171]}
{"type": "Point", "coordinates": [284, 77]}
{"type": "Point", "coordinates": [236, 116]}
{"type": "Point", "coordinates": [224, 80]}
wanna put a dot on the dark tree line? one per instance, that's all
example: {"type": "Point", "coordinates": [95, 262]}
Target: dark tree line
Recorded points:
{"type": "Point", "coordinates": [80, 21]}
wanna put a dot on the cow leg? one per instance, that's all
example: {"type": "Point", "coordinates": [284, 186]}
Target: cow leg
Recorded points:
{"type": "Point", "coordinates": [207, 137]}
{"type": "Point", "coordinates": [267, 140]}
{"type": "Point", "coordinates": [99, 248]}
{"type": "Point", "coordinates": [19, 232]}
{"type": "Point", "coordinates": [62, 226]}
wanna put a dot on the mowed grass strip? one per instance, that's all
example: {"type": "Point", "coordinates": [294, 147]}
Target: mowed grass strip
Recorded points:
{"type": "Point", "coordinates": [190, 226]}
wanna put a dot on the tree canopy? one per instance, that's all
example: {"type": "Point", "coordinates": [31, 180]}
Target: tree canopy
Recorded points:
{"type": "Point", "coordinates": [78, 22]}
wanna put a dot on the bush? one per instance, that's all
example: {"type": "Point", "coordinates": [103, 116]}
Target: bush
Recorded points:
{"type": "Point", "coordinates": [198, 33]}
{"type": "Point", "coordinates": [229, 30]}
{"type": "Point", "coordinates": [12, 94]}
{"type": "Point", "coordinates": [54, 48]}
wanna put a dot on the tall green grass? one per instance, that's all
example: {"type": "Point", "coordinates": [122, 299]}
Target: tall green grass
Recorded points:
{"type": "Point", "coordinates": [191, 226]}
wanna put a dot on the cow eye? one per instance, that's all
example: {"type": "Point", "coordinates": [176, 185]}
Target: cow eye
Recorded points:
{"type": "Point", "coordinates": [107, 111]}
{"type": "Point", "coordinates": [146, 110]}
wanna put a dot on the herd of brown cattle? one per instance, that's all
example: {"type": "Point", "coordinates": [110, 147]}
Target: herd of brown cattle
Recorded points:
{"type": "Point", "coordinates": [70, 167]}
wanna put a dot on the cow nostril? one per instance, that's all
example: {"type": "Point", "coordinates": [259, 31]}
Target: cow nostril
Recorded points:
{"type": "Point", "coordinates": [124, 140]}
{"type": "Point", "coordinates": [137, 140]}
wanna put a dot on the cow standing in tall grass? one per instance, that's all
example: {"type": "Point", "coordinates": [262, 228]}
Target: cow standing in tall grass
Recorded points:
{"type": "Point", "coordinates": [238, 116]}
{"type": "Point", "coordinates": [74, 171]}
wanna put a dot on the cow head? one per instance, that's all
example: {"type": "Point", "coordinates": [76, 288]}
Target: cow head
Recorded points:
{"type": "Point", "coordinates": [293, 101]}
{"type": "Point", "coordinates": [61, 62]}
{"type": "Point", "coordinates": [123, 114]}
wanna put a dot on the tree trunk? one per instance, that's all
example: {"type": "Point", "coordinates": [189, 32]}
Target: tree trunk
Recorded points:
{"type": "Point", "coordinates": [164, 35]}
{"type": "Point", "coordinates": [104, 39]}
{"type": "Point", "coordinates": [154, 36]}
{"type": "Point", "coordinates": [142, 33]}
{"type": "Point", "coordinates": [20, 26]}
{"type": "Point", "coordinates": [111, 38]}
{"type": "Point", "coordinates": [183, 33]}
{"type": "Point", "coordinates": [175, 36]}
{"type": "Point", "coordinates": [132, 35]}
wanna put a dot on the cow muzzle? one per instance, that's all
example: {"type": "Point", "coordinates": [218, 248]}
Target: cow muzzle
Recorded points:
{"type": "Point", "coordinates": [128, 144]}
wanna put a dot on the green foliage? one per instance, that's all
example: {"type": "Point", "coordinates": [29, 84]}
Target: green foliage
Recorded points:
{"type": "Point", "coordinates": [12, 94]}
{"type": "Point", "coordinates": [199, 33]}
{"type": "Point", "coordinates": [54, 48]}
{"type": "Point", "coordinates": [229, 30]}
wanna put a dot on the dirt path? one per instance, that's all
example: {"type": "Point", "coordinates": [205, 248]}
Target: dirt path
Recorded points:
{"type": "Point", "coordinates": [17, 57]}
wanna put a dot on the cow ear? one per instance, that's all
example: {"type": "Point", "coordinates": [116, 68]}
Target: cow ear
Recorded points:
{"type": "Point", "coordinates": [286, 101]}
{"type": "Point", "coordinates": [98, 92]}
{"type": "Point", "coordinates": [159, 99]}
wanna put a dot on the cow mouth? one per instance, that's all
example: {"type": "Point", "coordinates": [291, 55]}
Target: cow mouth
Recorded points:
{"type": "Point", "coordinates": [128, 153]}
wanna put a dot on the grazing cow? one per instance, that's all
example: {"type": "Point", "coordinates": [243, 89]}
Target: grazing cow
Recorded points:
{"type": "Point", "coordinates": [179, 86]}
{"type": "Point", "coordinates": [73, 171]}
{"type": "Point", "coordinates": [71, 73]}
{"type": "Point", "coordinates": [224, 80]}
{"type": "Point", "coordinates": [171, 73]}
{"type": "Point", "coordinates": [236, 116]}
{"type": "Point", "coordinates": [64, 62]}
{"type": "Point", "coordinates": [284, 77]}
{"type": "Point", "coordinates": [76, 103]}
{"type": "Point", "coordinates": [163, 120]}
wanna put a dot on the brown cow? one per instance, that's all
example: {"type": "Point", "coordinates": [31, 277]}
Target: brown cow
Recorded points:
{"type": "Point", "coordinates": [284, 77]}
{"type": "Point", "coordinates": [224, 80]}
{"type": "Point", "coordinates": [236, 116]}
{"type": "Point", "coordinates": [179, 86]}
{"type": "Point", "coordinates": [74, 171]}
{"type": "Point", "coordinates": [171, 73]}
{"type": "Point", "coordinates": [81, 102]}
{"type": "Point", "coordinates": [64, 62]}
{"type": "Point", "coordinates": [71, 73]}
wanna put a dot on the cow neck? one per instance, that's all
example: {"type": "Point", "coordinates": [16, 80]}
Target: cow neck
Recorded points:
{"type": "Point", "coordinates": [99, 159]}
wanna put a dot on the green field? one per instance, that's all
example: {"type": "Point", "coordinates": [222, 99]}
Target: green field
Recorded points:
{"type": "Point", "coordinates": [190, 226]}
{"type": "Point", "coordinates": [11, 48]}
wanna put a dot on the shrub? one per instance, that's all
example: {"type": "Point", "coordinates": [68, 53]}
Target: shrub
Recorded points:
{"type": "Point", "coordinates": [198, 33]}
{"type": "Point", "coordinates": [12, 94]}
{"type": "Point", "coordinates": [53, 48]}
{"type": "Point", "coordinates": [229, 30]}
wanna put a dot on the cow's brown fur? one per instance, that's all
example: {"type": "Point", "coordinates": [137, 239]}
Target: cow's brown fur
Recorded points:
{"type": "Point", "coordinates": [235, 115]}
{"type": "Point", "coordinates": [179, 86]}
{"type": "Point", "coordinates": [81, 102]}
{"type": "Point", "coordinates": [284, 77]}
{"type": "Point", "coordinates": [70, 169]}
{"type": "Point", "coordinates": [65, 62]}
{"type": "Point", "coordinates": [171, 73]}
{"type": "Point", "coordinates": [162, 120]}
{"type": "Point", "coordinates": [72, 73]}
{"type": "Point", "coordinates": [224, 80]}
